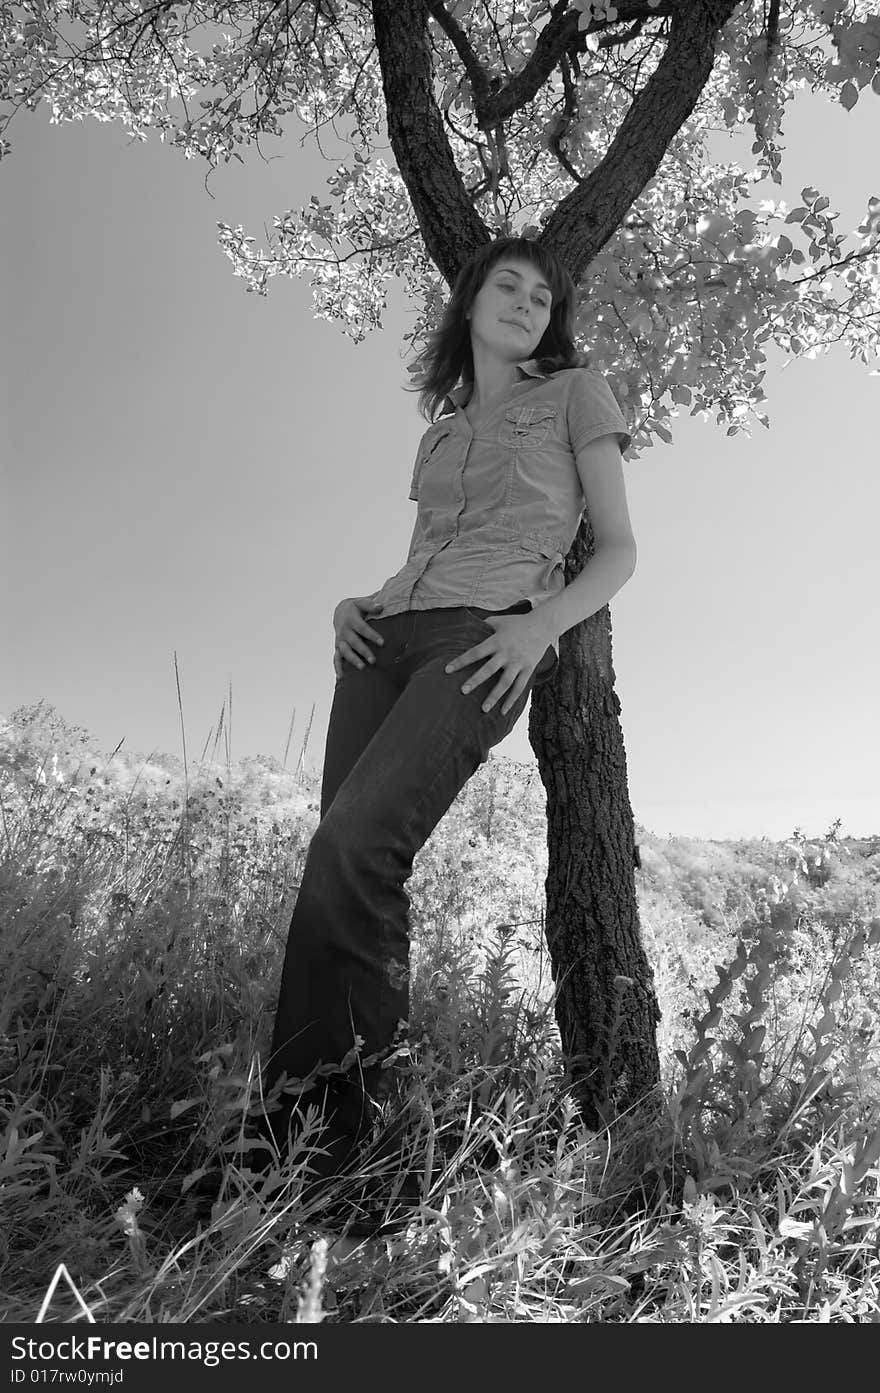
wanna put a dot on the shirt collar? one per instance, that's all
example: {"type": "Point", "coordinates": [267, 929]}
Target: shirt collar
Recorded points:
{"type": "Point", "coordinates": [460, 394]}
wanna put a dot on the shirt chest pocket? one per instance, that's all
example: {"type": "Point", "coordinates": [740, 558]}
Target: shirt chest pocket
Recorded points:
{"type": "Point", "coordinates": [527, 427]}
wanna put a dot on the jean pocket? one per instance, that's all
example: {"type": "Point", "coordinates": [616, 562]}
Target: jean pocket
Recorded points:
{"type": "Point", "coordinates": [546, 667]}
{"type": "Point", "coordinates": [521, 607]}
{"type": "Point", "coordinates": [477, 615]}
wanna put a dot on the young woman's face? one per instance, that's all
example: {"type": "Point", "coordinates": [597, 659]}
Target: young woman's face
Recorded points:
{"type": "Point", "coordinates": [511, 310]}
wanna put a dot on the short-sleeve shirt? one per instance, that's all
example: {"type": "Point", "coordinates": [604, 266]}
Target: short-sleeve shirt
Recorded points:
{"type": "Point", "coordinates": [498, 509]}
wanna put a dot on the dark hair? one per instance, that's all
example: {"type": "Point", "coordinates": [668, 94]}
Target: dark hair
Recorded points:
{"type": "Point", "coordinates": [448, 356]}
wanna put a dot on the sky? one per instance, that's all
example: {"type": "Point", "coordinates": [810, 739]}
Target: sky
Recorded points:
{"type": "Point", "coordinates": [189, 469]}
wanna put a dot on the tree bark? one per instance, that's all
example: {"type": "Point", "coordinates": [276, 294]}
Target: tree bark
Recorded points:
{"type": "Point", "coordinates": [582, 223]}
{"type": "Point", "coordinates": [606, 1006]}
{"type": "Point", "coordinates": [451, 228]}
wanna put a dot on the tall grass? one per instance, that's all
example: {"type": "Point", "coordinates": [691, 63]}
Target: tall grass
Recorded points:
{"type": "Point", "coordinates": [143, 911]}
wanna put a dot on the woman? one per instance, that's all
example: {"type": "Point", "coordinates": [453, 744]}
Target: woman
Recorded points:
{"type": "Point", "coordinates": [442, 668]}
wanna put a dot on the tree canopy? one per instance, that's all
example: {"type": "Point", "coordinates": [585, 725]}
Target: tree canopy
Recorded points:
{"type": "Point", "coordinates": [594, 126]}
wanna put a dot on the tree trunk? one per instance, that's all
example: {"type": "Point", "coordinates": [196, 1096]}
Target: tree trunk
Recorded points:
{"type": "Point", "coordinates": [451, 228]}
{"type": "Point", "coordinates": [606, 1007]}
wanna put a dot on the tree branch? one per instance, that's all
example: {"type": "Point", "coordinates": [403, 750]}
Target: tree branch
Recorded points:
{"type": "Point", "coordinates": [772, 33]}
{"type": "Point", "coordinates": [563, 121]}
{"type": "Point", "coordinates": [476, 73]}
{"type": "Point", "coordinates": [618, 40]}
{"type": "Point", "coordinates": [584, 221]}
{"type": "Point", "coordinates": [560, 36]}
{"type": "Point", "coordinates": [451, 228]}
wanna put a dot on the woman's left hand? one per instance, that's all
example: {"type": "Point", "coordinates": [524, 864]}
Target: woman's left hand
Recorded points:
{"type": "Point", "coordinates": [513, 652]}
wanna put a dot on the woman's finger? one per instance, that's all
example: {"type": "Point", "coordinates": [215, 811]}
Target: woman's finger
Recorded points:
{"type": "Point", "coordinates": [489, 668]}
{"type": "Point", "coordinates": [363, 649]}
{"type": "Point", "coordinates": [513, 695]}
{"type": "Point", "coordinates": [359, 650]}
{"type": "Point", "coordinates": [472, 655]}
{"type": "Point", "coordinates": [497, 692]}
{"type": "Point", "coordinates": [348, 654]}
{"type": "Point", "coordinates": [350, 648]}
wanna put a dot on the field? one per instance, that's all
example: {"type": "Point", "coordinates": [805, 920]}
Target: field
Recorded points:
{"type": "Point", "coordinates": [143, 912]}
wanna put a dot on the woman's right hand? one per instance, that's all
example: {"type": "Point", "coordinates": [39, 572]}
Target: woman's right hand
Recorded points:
{"type": "Point", "coordinates": [352, 632]}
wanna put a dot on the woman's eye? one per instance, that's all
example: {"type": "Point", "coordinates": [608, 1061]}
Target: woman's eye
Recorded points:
{"type": "Point", "coordinates": [508, 285]}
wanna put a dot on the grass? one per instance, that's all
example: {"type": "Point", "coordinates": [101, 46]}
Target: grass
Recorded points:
{"type": "Point", "coordinates": [144, 910]}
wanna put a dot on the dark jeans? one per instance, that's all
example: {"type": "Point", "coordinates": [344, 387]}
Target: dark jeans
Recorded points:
{"type": "Point", "coordinates": [402, 742]}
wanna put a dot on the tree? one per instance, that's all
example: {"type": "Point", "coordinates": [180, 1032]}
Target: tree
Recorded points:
{"type": "Point", "coordinates": [587, 124]}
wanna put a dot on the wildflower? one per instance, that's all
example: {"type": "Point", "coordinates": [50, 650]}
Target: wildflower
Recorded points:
{"type": "Point", "coordinates": [128, 1211]}
{"type": "Point", "coordinates": [702, 1213]}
